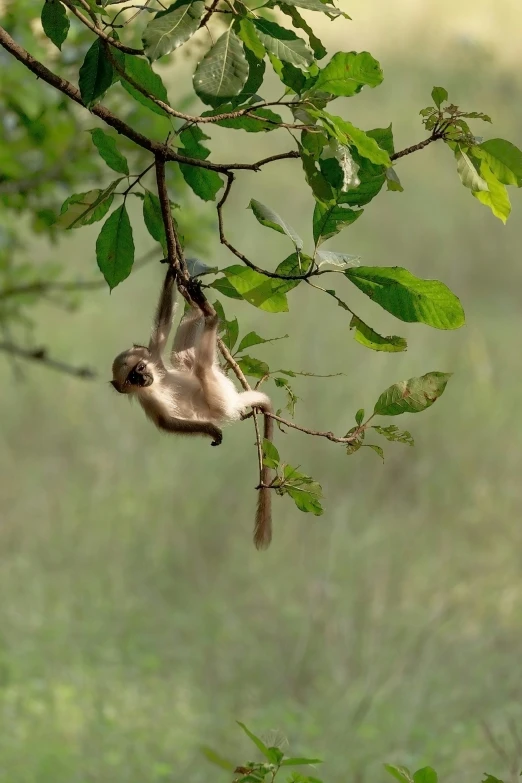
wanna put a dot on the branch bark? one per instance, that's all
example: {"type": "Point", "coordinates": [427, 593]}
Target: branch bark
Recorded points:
{"type": "Point", "coordinates": [40, 355]}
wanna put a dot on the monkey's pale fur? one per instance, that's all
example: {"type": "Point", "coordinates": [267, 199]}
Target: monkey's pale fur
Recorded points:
{"type": "Point", "coordinates": [191, 395]}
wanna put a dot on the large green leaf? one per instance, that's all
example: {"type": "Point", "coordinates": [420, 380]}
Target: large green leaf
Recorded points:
{"type": "Point", "coordinates": [82, 209]}
{"type": "Point", "coordinates": [223, 72]}
{"type": "Point", "coordinates": [412, 396]}
{"type": "Point", "coordinates": [267, 217]}
{"type": "Point", "coordinates": [247, 32]}
{"type": "Point", "coordinates": [172, 27]}
{"type": "Point", "coordinates": [366, 336]}
{"type": "Point", "coordinates": [503, 158]}
{"type": "Point", "coordinates": [329, 219]}
{"type": "Point", "coordinates": [55, 22]}
{"type": "Point", "coordinates": [253, 367]}
{"type": "Point", "coordinates": [204, 183]}
{"type": "Point", "coordinates": [96, 74]}
{"type": "Point", "coordinates": [425, 775]}
{"type": "Point", "coordinates": [346, 133]}
{"type": "Point", "coordinates": [106, 146]}
{"type": "Point", "coordinates": [348, 72]}
{"type": "Point", "coordinates": [140, 71]}
{"type": "Point", "coordinates": [294, 264]}
{"type": "Point", "coordinates": [407, 297]}
{"type": "Point", "coordinates": [468, 174]}
{"type": "Point", "coordinates": [283, 43]}
{"type": "Point", "coordinates": [496, 197]}
{"type": "Point", "coordinates": [263, 292]}
{"type": "Point", "coordinates": [115, 247]}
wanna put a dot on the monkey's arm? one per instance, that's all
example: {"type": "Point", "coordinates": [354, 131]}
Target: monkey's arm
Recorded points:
{"type": "Point", "coordinates": [182, 353]}
{"type": "Point", "coordinates": [163, 316]}
{"type": "Point", "coordinates": [190, 427]}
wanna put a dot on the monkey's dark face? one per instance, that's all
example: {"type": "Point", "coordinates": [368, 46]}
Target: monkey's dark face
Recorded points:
{"type": "Point", "coordinates": [132, 370]}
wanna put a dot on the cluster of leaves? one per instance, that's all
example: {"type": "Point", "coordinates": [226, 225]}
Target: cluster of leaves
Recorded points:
{"type": "Point", "coordinates": [275, 761]}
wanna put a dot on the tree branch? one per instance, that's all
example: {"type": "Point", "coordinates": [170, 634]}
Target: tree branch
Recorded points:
{"type": "Point", "coordinates": [435, 136]}
{"type": "Point", "coordinates": [156, 148]}
{"type": "Point", "coordinates": [40, 355]}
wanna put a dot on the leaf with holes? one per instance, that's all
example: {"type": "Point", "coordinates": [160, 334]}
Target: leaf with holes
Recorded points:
{"type": "Point", "coordinates": [412, 396]}
{"type": "Point", "coordinates": [366, 336]}
{"type": "Point", "coordinates": [55, 22]}
{"type": "Point", "coordinates": [96, 74]}
{"type": "Point", "coordinates": [329, 219]}
{"type": "Point", "coordinates": [409, 298]}
{"type": "Point", "coordinates": [171, 28]}
{"type": "Point", "coordinates": [339, 260]}
{"type": "Point", "coordinates": [393, 434]}
{"type": "Point", "coordinates": [223, 72]}
{"type": "Point", "coordinates": [82, 209]}
{"type": "Point", "coordinates": [108, 150]}
{"type": "Point", "coordinates": [140, 71]}
{"type": "Point", "coordinates": [283, 43]}
{"type": "Point", "coordinates": [115, 247]}
{"type": "Point", "coordinates": [267, 217]}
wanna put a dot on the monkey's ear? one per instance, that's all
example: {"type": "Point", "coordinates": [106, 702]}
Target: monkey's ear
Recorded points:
{"type": "Point", "coordinates": [116, 386]}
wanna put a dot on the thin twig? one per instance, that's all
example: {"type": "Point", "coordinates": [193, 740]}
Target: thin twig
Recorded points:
{"type": "Point", "coordinates": [41, 355]}
{"type": "Point", "coordinates": [210, 10]}
{"type": "Point", "coordinates": [435, 136]}
{"type": "Point", "coordinates": [100, 32]}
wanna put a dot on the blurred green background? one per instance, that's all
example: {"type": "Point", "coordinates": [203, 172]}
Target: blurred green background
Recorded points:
{"type": "Point", "coordinates": [137, 621]}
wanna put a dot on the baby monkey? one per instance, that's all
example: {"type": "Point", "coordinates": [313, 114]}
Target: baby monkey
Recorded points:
{"type": "Point", "coordinates": [191, 395]}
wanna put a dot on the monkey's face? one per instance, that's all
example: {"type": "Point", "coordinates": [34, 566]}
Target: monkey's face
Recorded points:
{"type": "Point", "coordinates": [132, 370]}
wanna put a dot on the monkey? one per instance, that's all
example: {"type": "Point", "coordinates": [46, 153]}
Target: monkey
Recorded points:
{"type": "Point", "coordinates": [191, 395]}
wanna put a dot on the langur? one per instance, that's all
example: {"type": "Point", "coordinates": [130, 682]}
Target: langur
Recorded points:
{"type": "Point", "coordinates": [191, 395]}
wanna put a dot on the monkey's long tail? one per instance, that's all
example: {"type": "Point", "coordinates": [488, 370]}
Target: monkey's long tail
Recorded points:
{"type": "Point", "coordinates": [263, 526]}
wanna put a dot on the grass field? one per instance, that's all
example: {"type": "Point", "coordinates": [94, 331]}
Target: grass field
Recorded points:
{"type": "Point", "coordinates": [137, 621]}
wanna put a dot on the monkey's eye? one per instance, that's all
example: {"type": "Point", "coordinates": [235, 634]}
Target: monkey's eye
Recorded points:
{"type": "Point", "coordinates": [140, 367]}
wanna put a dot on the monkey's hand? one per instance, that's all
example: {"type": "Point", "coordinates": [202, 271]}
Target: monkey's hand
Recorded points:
{"type": "Point", "coordinates": [218, 437]}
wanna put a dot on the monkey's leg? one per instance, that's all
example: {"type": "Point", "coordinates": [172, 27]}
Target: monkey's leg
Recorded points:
{"type": "Point", "coordinates": [182, 354]}
{"type": "Point", "coordinates": [190, 427]}
{"type": "Point", "coordinates": [206, 371]}
{"type": "Point", "coordinates": [163, 316]}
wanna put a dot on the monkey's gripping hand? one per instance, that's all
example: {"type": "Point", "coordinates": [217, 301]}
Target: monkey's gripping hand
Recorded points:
{"type": "Point", "coordinates": [218, 438]}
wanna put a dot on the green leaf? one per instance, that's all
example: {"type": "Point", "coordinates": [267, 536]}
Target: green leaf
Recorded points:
{"type": "Point", "coordinates": [402, 774]}
{"type": "Point", "coordinates": [425, 775]}
{"type": "Point", "coordinates": [254, 339]}
{"type": "Point", "coordinates": [468, 174]}
{"type": "Point", "coordinates": [359, 416]}
{"type": "Point", "coordinates": [366, 336]}
{"type": "Point", "coordinates": [217, 759]}
{"type": "Point", "coordinates": [301, 24]}
{"type": "Point", "coordinates": [140, 71]}
{"type": "Point", "coordinates": [267, 217]}
{"type": "Point", "coordinates": [348, 72]}
{"type": "Point", "coordinates": [257, 742]}
{"type": "Point", "coordinates": [55, 22]}
{"type": "Point", "coordinates": [96, 74]}
{"type": "Point", "coordinates": [260, 291]}
{"type": "Point", "coordinates": [307, 498]}
{"type": "Point", "coordinates": [292, 398]}
{"type": "Point", "coordinates": [412, 396]}
{"type": "Point", "coordinates": [297, 762]}
{"type": "Point", "coordinates": [503, 158]}
{"type": "Point", "coordinates": [203, 182]}
{"type": "Point", "coordinates": [329, 219]}
{"type": "Point", "coordinates": [154, 219]}
{"type": "Point", "coordinates": [275, 755]}
{"type": "Point", "coordinates": [257, 121]}
{"type": "Point", "coordinates": [393, 434]}
{"type": "Point", "coordinates": [171, 28]}
{"type": "Point", "coordinates": [82, 209]}
{"type": "Point", "coordinates": [292, 77]}
{"type": "Point", "coordinates": [270, 455]}
{"type": "Point", "coordinates": [496, 197]}
{"type": "Point", "coordinates": [378, 450]}
{"type": "Point", "coordinates": [283, 43]}
{"type": "Point", "coordinates": [108, 150]}
{"type": "Point", "coordinates": [392, 180]}
{"type": "Point", "coordinates": [294, 264]}
{"type": "Point", "coordinates": [407, 297]}
{"type": "Point", "coordinates": [247, 33]}
{"type": "Point", "coordinates": [115, 247]}
{"type": "Point", "coordinates": [226, 288]}
{"type": "Point", "coordinates": [223, 72]}
{"type": "Point", "coordinates": [346, 133]}
{"type": "Point", "coordinates": [439, 95]}
{"type": "Point", "coordinates": [314, 5]}
{"type": "Point", "coordinates": [229, 330]}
